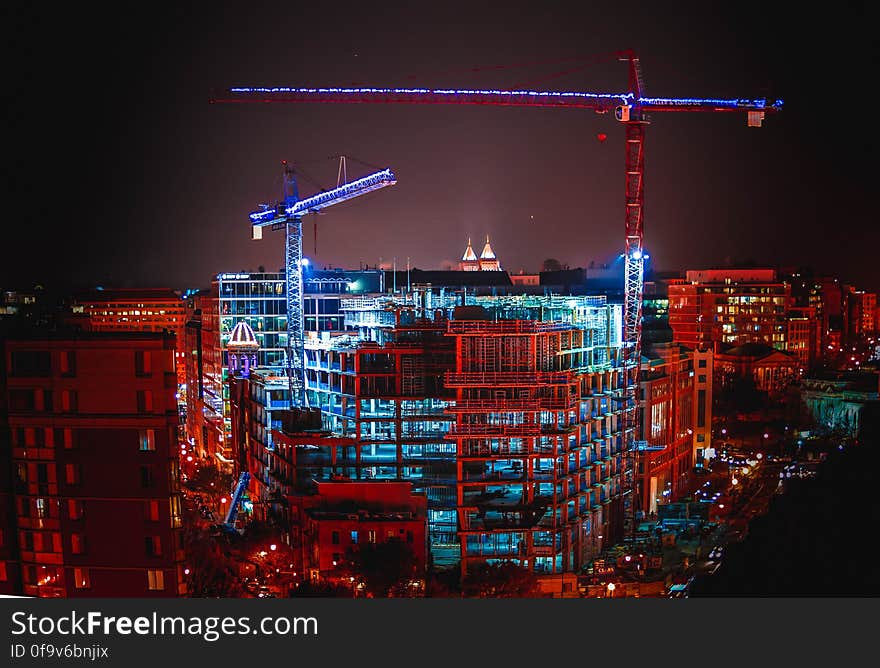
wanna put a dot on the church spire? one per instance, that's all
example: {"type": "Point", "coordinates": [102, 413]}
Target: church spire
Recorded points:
{"type": "Point", "coordinates": [469, 255]}
{"type": "Point", "coordinates": [488, 253]}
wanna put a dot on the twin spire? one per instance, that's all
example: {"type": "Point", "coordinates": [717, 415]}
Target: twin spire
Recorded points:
{"type": "Point", "coordinates": [486, 262]}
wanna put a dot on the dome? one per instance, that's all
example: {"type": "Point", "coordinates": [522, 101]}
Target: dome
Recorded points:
{"type": "Point", "coordinates": [242, 337]}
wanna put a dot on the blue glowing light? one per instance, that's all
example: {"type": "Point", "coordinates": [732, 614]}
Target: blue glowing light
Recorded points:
{"type": "Point", "coordinates": [313, 204]}
{"type": "Point", "coordinates": [521, 97]}
{"type": "Point", "coordinates": [637, 254]}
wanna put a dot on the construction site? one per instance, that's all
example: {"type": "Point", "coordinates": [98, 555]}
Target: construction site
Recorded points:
{"type": "Point", "coordinates": [517, 416]}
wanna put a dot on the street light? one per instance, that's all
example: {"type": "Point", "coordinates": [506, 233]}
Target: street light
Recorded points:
{"type": "Point", "coordinates": [611, 589]}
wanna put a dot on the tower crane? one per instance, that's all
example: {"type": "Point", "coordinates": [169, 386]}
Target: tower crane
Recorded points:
{"type": "Point", "coordinates": [287, 214]}
{"type": "Point", "coordinates": [631, 107]}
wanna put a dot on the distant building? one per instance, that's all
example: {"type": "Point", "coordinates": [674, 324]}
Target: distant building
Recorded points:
{"type": "Point", "coordinates": [136, 310]}
{"type": "Point", "coordinates": [729, 306]}
{"type": "Point", "coordinates": [11, 301]}
{"type": "Point", "coordinates": [860, 314]}
{"type": "Point", "coordinates": [803, 337]}
{"type": "Point", "coordinates": [836, 402]}
{"type": "Point", "coordinates": [91, 430]}
{"type": "Point", "coordinates": [486, 262]}
{"type": "Point", "coordinates": [525, 279]}
{"type": "Point", "coordinates": [772, 370]}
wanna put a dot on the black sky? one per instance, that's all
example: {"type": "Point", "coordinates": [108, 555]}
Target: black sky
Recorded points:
{"type": "Point", "coordinates": [120, 172]}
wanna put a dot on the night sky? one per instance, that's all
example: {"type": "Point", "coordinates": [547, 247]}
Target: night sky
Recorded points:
{"type": "Point", "coordinates": [121, 173]}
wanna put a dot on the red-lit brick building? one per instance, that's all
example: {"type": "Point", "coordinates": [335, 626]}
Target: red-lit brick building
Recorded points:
{"type": "Point", "coordinates": [90, 438]}
{"type": "Point", "coordinates": [136, 310]}
{"type": "Point", "coordinates": [729, 306]}
{"type": "Point", "coordinates": [343, 515]}
{"type": "Point", "coordinates": [676, 417]}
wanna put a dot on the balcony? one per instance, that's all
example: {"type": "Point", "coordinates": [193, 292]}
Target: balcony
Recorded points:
{"type": "Point", "coordinates": [505, 378]}
{"type": "Point", "coordinates": [510, 405]}
{"type": "Point", "coordinates": [493, 430]}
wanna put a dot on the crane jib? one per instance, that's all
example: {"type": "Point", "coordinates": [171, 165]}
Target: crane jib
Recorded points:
{"type": "Point", "coordinates": [280, 213]}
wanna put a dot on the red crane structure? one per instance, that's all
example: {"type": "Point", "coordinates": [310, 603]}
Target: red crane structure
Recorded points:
{"type": "Point", "coordinates": [630, 107]}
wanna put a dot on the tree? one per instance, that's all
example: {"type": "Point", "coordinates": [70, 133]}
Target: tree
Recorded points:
{"type": "Point", "coordinates": [500, 580]}
{"type": "Point", "coordinates": [212, 572]}
{"type": "Point", "coordinates": [383, 567]}
{"type": "Point", "coordinates": [551, 264]}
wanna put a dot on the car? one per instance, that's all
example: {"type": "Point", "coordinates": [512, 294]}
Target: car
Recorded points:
{"type": "Point", "coordinates": [716, 553]}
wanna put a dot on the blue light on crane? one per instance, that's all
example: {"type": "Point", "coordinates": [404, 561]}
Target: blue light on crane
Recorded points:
{"type": "Point", "coordinates": [317, 202]}
{"type": "Point", "coordinates": [733, 103]}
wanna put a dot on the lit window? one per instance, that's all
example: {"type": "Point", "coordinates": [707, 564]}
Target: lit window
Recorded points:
{"type": "Point", "coordinates": [155, 580]}
{"type": "Point", "coordinates": [74, 509]}
{"type": "Point", "coordinates": [148, 440]}
{"type": "Point", "coordinates": [71, 473]}
{"type": "Point", "coordinates": [81, 578]}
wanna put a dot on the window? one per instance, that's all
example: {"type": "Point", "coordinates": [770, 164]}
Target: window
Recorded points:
{"type": "Point", "coordinates": [142, 363]}
{"type": "Point", "coordinates": [67, 363]}
{"type": "Point", "coordinates": [153, 511]}
{"type": "Point", "coordinates": [155, 580]}
{"type": "Point", "coordinates": [334, 538]}
{"type": "Point", "coordinates": [701, 408]}
{"type": "Point", "coordinates": [701, 364]}
{"type": "Point", "coordinates": [40, 506]}
{"type": "Point", "coordinates": [71, 474]}
{"type": "Point", "coordinates": [43, 400]}
{"type": "Point", "coordinates": [81, 578]}
{"type": "Point", "coordinates": [701, 378]}
{"type": "Point", "coordinates": [409, 536]}
{"type": "Point", "coordinates": [354, 537]}
{"type": "Point", "coordinates": [144, 401]}
{"type": "Point", "coordinates": [75, 509]}
{"type": "Point", "coordinates": [67, 437]}
{"type": "Point", "coordinates": [146, 476]}
{"type": "Point", "coordinates": [176, 519]}
{"type": "Point", "coordinates": [371, 536]}
{"type": "Point", "coordinates": [69, 401]}
{"type": "Point", "coordinates": [153, 546]}
{"type": "Point", "coordinates": [77, 543]}
{"type": "Point", "coordinates": [2, 571]}
{"type": "Point", "coordinates": [148, 440]}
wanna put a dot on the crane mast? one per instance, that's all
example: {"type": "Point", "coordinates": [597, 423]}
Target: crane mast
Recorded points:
{"type": "Point", "coordinates": [288, 214]}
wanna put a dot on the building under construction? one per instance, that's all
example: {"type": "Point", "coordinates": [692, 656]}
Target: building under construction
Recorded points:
{"type": "Point", "coordinates": [505, 411]}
